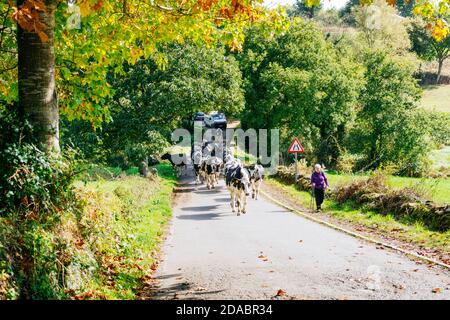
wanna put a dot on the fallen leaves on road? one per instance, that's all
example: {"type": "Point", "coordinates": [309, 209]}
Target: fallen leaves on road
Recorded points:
{"type": "Point", "coordinates": [436, 290]}
{"type": "Point", "coordinates": [398, 286]}
{"type": "Point", "coordinates": [263, 257]}
{"type": "Point", "coordinates": [280, 293]}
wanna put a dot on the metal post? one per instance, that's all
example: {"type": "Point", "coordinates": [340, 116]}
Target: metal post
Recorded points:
{"type": "Point", "coordinates": [296, 168]}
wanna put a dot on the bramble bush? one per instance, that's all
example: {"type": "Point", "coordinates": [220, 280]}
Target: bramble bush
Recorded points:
{"type": "Point", "coordinates": [34, 191]}
{"type": "Point", "coordinates": [63, 235]}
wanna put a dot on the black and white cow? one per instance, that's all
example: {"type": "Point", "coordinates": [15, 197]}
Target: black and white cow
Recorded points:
{"type": "Point", "coordinates": [197, 160]}
{"type": "Point", "coordinates": [238, 183]}
{"type": "Point", "coordinates": [218, 168]}
{"type": "Point", "coordinates": [212, 171]}
{"type": "Point", "coordinates": [256, 177]}
{"type": "Point", "coordinates": [179, 166]}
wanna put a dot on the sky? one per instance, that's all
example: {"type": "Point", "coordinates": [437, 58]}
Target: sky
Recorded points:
{"type": "Point", "coordinates": [326, 3]}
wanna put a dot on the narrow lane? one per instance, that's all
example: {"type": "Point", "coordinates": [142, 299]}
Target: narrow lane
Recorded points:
{"type": "Point", "coordinates": [211, 253]}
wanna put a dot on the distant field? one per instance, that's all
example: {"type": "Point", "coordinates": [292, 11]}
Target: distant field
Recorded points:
{"type": "Point", "coordinates": [436, 98]}
{"type": "Point", "coordinates": [441, 157]}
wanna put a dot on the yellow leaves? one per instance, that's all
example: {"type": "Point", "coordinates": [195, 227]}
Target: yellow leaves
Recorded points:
{"type": "Point", "coordinates": [312, 3]}
{"type": "Point", "coordinates": [135, 53]}
{"type": "Point", "coordinates": [114, 36]}
{"type": "Point", "coordinates": [88, 6]}
{"type": "Point", "coordinates": [235, 45]}
{"type": "Point", "coordinates": [432, 15]}
{"type": "Point", "coordinates": [425, 10]}
{"type": "Point", "coordinates": [441, 31]}
{"type": "Point", "coordinates": [85, 8]}
{"type": "Point", "coordinates": [365, 2]}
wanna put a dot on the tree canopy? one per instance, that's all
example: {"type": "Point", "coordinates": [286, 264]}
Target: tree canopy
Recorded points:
{"type": "Point", "coordinates": [150, 102]}
{"type": "Point", "coordinates": [427, 47]}
{"type": "Point", "coordinates": [299, 83]}
{"type": "Point", "coordinates": [112, 32]}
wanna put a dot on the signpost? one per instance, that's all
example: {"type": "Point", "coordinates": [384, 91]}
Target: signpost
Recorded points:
{"type": "Point", "coordinates": [295, 148]}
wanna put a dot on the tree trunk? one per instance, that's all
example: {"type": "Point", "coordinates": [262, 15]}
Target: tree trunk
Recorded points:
{"type": "Point", "coordinates": [438, 78]}
{"type": "Point", "coordinates": [37, 90]}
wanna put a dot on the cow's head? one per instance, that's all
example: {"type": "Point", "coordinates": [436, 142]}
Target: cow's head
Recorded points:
{"type": "Point", "coordinates": [197, 157]}
{"type": "Point", "coordinates": [166, 156]}
{"type": "Point", "coordinates": [245, 180]}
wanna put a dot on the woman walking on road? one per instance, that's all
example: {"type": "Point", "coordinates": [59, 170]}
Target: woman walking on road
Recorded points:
{"type": "Point", "coordinates": [319, 183]}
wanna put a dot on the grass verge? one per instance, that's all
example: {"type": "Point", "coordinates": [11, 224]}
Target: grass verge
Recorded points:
{"type": "Point", "coordinates": [123, 224]}
{"type": "Point", "coordinates": [105, 247]}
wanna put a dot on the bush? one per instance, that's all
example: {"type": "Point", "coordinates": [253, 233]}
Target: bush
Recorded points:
{"type": "Point", "coordinates": [438, 126]}
{"type": "Point", "coordinates": [389, 127]}
{"type": "Point", "coordinates": [300, 75]}
{"type": "Point", "coordinates": [32, 181]}
{"type": "Point", "coordinates": [287, 175]}
{"type": "Point", "coordinates": [35, 192]}
{"type": "Point", "coordinates": [92, 172]}
{"type": "Point", "coordinates": [35, 196]}
{"type": "Point", "coordinates": [346, 162]}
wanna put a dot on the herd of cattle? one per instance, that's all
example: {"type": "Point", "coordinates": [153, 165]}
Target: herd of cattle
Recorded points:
{"type": "Point", "coordinates": [209, 165]}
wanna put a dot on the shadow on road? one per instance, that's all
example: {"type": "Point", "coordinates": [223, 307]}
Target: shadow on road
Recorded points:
{"type": "Point", "coordinates": [186, 290]}
{"type": "Point", "coordinates": [202, 208]}
{"type": "Point", "coordinates": [168, 276]}
{"type": "Point", "coordinates": [202, 216]}
{"type": "Point", "coordinates": [186, 190]}
{"type": "Point", "coordinates": [206, 191]}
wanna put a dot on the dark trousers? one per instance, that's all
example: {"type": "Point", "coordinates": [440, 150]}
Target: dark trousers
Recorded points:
{"type": "Point", "coordinates": [319, 194]}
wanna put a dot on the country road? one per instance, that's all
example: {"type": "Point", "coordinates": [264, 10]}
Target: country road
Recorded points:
{"type": "Point", "coordinates": [210, 253]}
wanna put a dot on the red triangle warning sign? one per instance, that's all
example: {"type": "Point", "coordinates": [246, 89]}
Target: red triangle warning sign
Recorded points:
{"type": "Point", "coordinates": [296, 147]}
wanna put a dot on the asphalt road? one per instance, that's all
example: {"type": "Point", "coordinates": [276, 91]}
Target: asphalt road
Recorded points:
{"type": "Point", "coordinates": [210, 253]}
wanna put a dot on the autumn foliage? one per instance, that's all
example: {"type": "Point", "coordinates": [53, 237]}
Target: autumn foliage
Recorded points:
{"type": "Point", "coordinates": [27, 16]}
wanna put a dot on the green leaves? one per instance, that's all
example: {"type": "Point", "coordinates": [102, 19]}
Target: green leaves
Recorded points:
{"type": "Point", "coordinates": [149, 102]}
{"type": "Point", "coordinates": [113, 32]}
{"type": "Point", "coordinates": [387, 131]}
{"type": "Point", "coordinates": [312, 3]}
{"type": "Point", "coordinates": [299, 83]}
